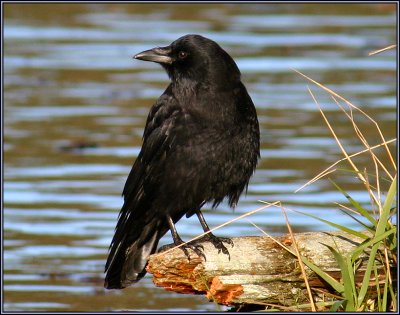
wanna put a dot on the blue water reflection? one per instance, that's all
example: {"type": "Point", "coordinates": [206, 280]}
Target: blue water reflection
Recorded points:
{"type": "Point", "coordinates": [75, 105]}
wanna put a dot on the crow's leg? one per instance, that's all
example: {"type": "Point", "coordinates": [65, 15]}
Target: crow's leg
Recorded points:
{"type": "Point", "coordinates": [218, 242]}
{"type": "Point", "coordinates": [197, 248]}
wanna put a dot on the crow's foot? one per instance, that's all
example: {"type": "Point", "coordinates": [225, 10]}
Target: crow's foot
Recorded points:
{"type": "Point", "coordinates": [218, 243]}
{"type": "Point", "coordinates": [197, 248]}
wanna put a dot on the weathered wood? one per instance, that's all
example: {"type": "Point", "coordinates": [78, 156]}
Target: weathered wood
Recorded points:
{"type": "Point", "coordinates": [259, 270]}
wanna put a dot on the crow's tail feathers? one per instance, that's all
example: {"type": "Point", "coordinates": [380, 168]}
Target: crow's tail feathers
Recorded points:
{"type": "Point", "coordinates": [128, 256]}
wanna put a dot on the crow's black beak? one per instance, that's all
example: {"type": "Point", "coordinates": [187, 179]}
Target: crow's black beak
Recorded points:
{"type": "Point", "coordinates": [158, 54]}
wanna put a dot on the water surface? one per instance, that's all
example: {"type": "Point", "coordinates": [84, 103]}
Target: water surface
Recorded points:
{"type": "Point", "coordinates": [75, 105]}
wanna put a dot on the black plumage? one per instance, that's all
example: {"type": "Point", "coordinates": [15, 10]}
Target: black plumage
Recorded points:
{"type": "Point", "coordinates": [200, 144]}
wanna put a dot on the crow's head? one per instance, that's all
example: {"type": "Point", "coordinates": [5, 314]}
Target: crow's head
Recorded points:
{"type": "Point", "coordinates": [194, 57]}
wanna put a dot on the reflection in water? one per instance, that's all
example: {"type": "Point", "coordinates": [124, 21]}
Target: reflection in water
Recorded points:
{"type": "Point", "coordinates": [76, 104]}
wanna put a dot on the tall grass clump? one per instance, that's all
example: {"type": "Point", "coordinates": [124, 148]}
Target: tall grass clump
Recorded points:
{"type": "Point", "coordinates": [376, 291]}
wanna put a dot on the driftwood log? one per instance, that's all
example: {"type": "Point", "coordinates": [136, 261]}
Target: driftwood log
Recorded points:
{"type": "Point", "coordinates": [259, 270]}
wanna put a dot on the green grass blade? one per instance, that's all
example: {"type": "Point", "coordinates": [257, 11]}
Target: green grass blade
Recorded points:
{"type": "Point", "coordinates": [379, 298]}
{"type": "Point", "coordinates": [386, 209]}
{"type": "Point", "coordinates": [365, 213]}
{"type": "Point", "coordinates": [337, 286]}
{"type": "Point", "coordinates": [380, 229]}
{"type": "Point", "coordinates": [367, 275]}
{"type": "Point", "coordinates": [356, 253]}
{"type": "Point", "coordinates": [340, 227]}
{"type": "Point", "coordinates": [382, 298]}
{"type": "Point", "coordinates": [335, 307]}
{"type": "Point", "coordinates": [349, 292]}
{"type": "Point", "coordinates": [393, 296]}
{"type": "Point", "coordinates": [365, 226]}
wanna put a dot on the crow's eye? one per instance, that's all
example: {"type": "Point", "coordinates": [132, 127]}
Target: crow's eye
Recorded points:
{"type": "Point", "coordinates": [182, 54]}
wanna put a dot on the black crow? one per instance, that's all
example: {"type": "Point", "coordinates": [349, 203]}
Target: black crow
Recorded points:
{"type": "Point", "coordinates": [201, 144]}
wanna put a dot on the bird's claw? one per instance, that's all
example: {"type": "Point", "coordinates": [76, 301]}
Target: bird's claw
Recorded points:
{"type": "Point", "coordinates": [218, 243]}
{"type": "Point", "coordinates": [197, 248]}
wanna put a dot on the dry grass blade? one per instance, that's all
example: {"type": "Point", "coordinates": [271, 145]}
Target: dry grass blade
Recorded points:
{"type": "Point", "coordinates": [370, 191]}
{"type": "Point", "coordinates": [319, 176]}
{"type": "Point", "coordinates": [387, 263]}
{"type": "Point", "coordinates": [378, 185]}
{"type": "Point", "coordinates": [221, 225]}
{"type": "Point", "coordinates": [303, 271]}
{"type": "Point", "coordinates": [374, 157]}
{"type": "Point", "coordinates": [375, 52]}
{"type": "Point", "coordinates": [328, 170]}
{"type": "Point", "coordinates": [355, 107]}
{"type": "Point", "coordinates": [362, 178]}
{"type": "Point", "coordinates": [345, 208]}
{"type": "Point", "coordinates": [361, 137]}
{"type": "Point", "coordinates": [272, 238]}
{"type": "Point", "coordinates": [297, 254]}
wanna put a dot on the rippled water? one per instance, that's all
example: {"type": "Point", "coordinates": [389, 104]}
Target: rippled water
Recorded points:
{"type": "Point", "coordinates": [75, 105]}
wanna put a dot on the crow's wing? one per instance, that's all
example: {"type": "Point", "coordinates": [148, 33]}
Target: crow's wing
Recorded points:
{"type": "Point", "coordinates": [142, 185]}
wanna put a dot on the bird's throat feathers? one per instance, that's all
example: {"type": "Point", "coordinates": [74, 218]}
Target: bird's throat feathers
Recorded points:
{"type": "Point", "coordinates": [208, 77]}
